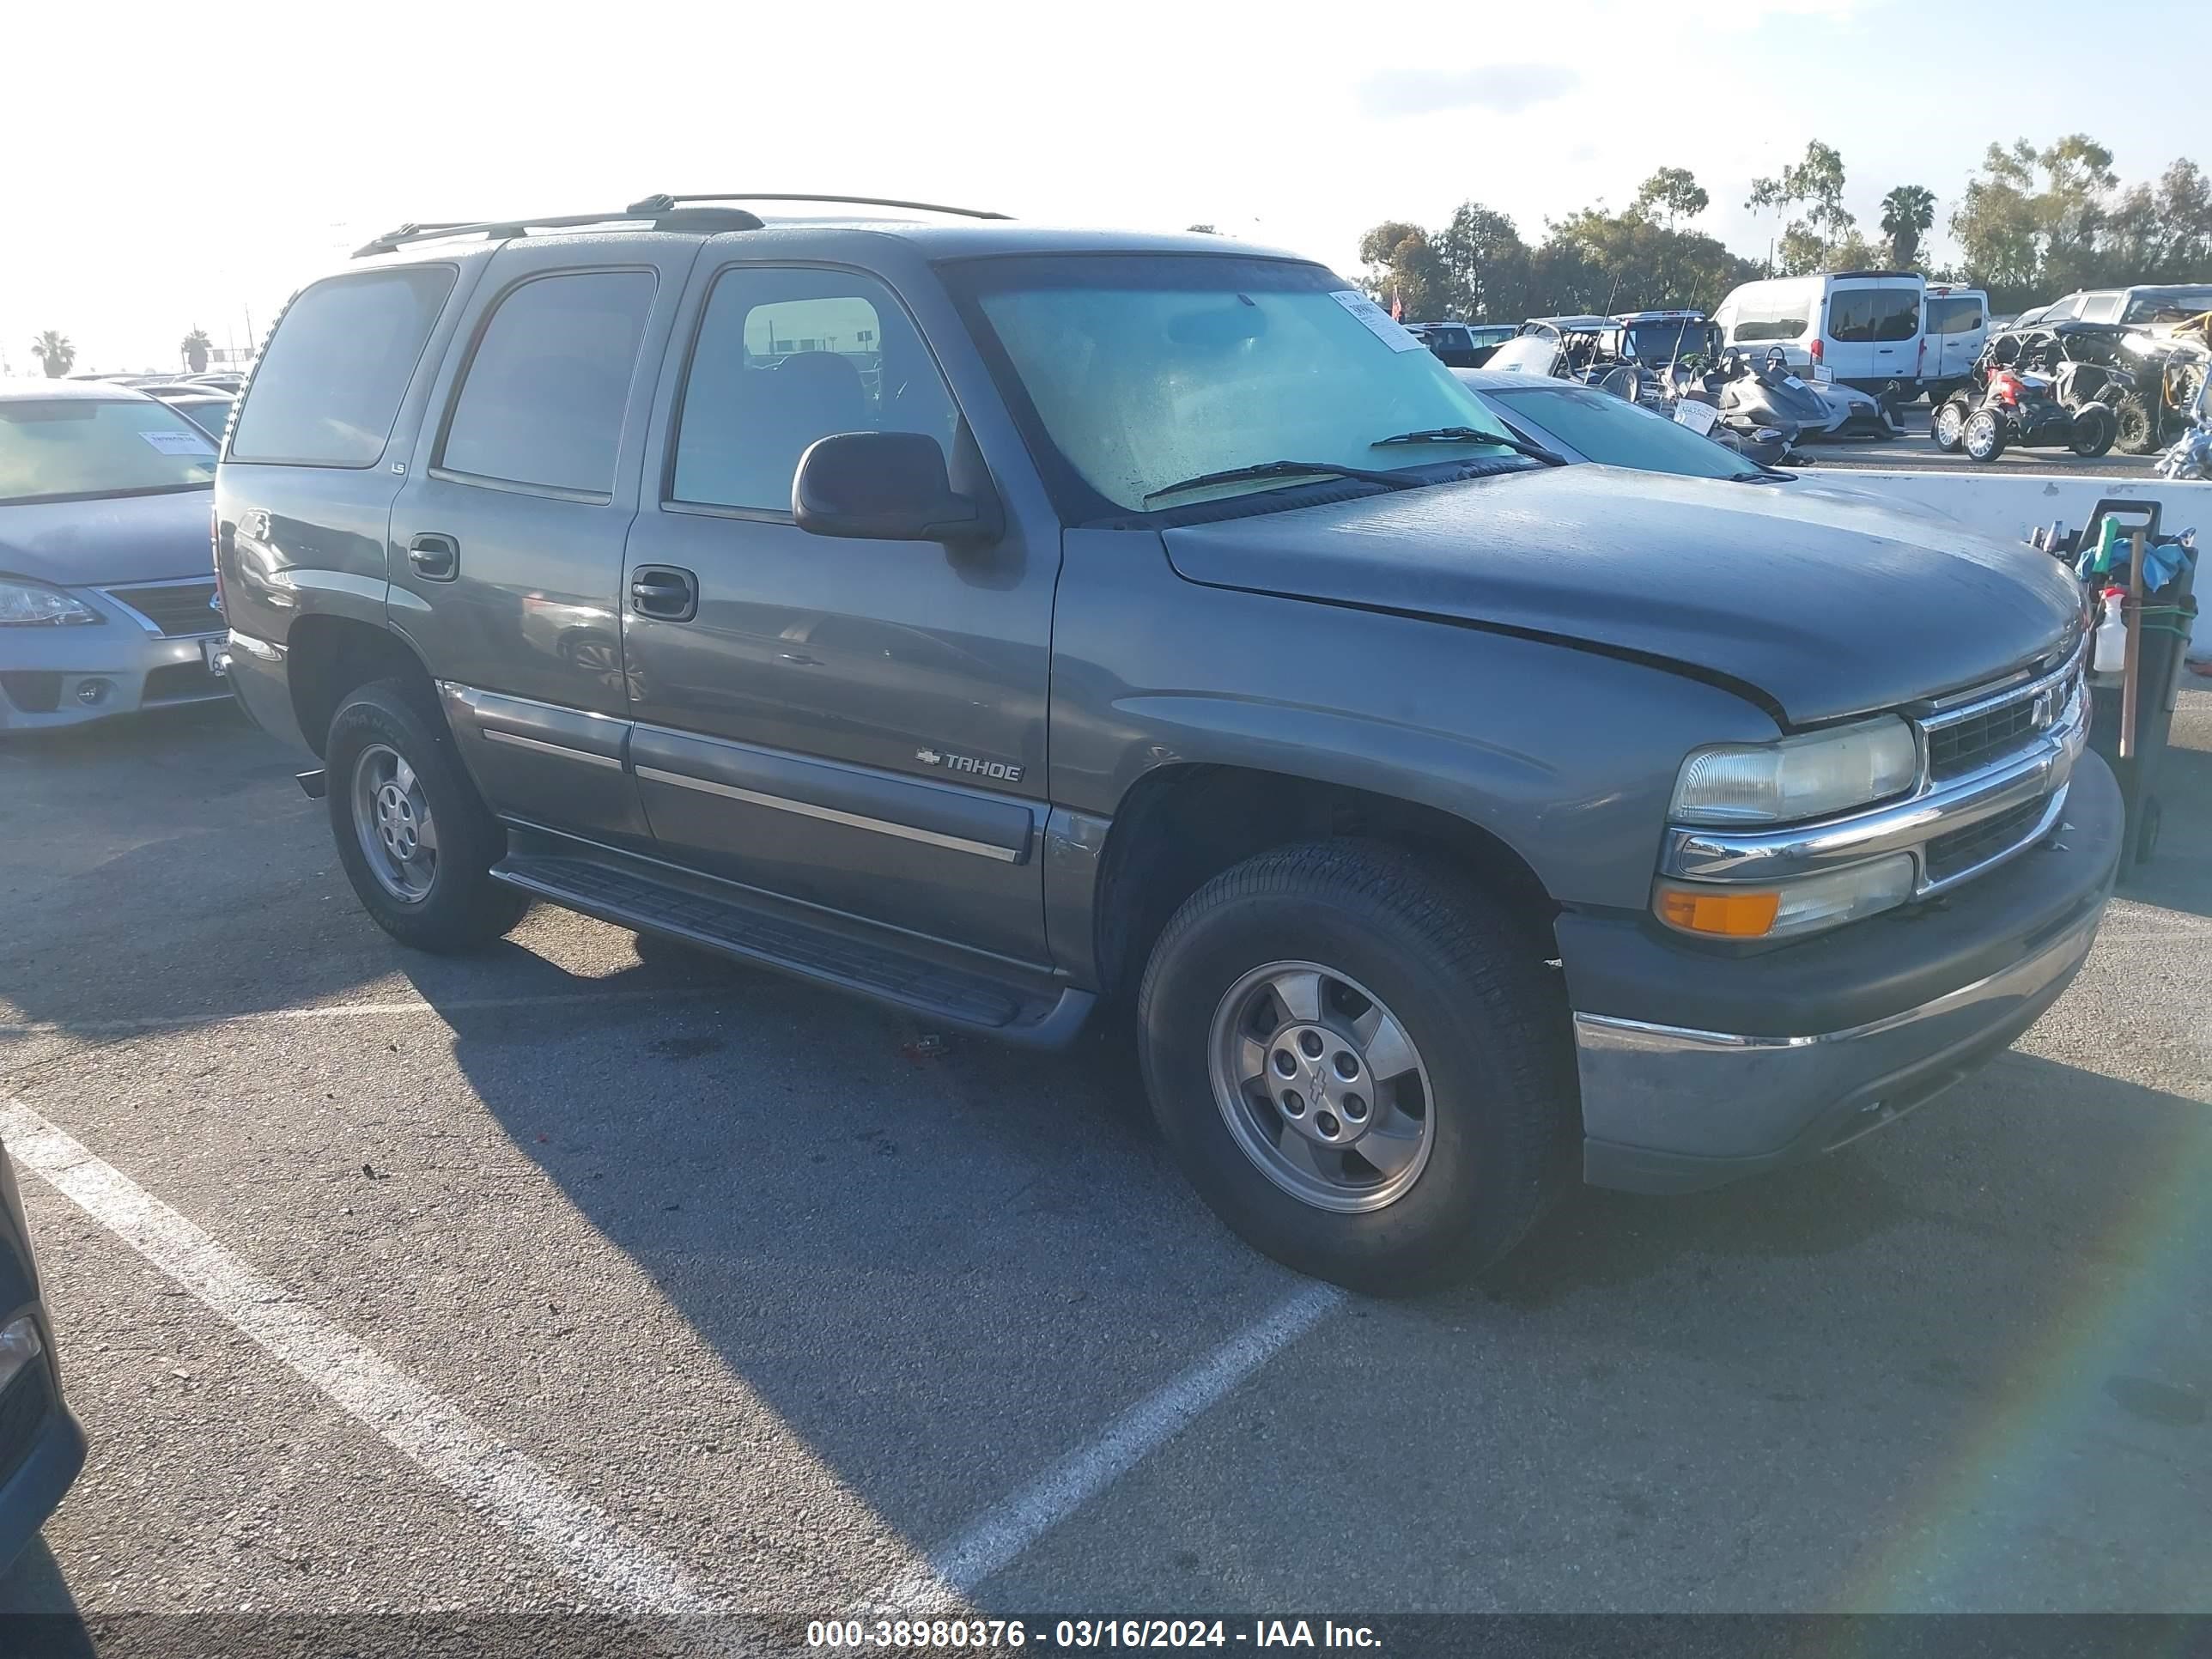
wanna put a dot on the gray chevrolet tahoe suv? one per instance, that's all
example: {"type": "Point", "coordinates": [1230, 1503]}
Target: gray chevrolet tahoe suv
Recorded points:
{"type": "Point", "coordinates": [1000, 621]}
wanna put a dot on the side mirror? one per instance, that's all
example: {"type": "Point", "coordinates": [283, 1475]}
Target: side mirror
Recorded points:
{"type": "Point", "coordinates": [886, 486]}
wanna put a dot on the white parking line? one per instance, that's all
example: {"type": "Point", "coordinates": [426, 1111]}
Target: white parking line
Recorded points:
{"type": "Point", "coordinates": [342, 1010]}
{"type": "Point", "coordinates": [498, 1482]}
{"type": "Point", "coordinates": [994, 1539]}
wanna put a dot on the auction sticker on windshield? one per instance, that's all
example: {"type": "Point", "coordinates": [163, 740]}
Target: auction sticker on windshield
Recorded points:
{"type": "Point", "coordinates": [1391, 334]}
{"type": "Point", "coordinates": [178, 443]}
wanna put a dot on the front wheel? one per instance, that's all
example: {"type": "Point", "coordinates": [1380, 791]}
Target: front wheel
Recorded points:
{"type": "Point", "coordinates": [1360, 1062]}
{"type": "Point", "coordinates": [1982, 436]}
{"type": "Point", "coordinates": [1947, 426]}
{"type": "Point", "coordinates": [415, 839]}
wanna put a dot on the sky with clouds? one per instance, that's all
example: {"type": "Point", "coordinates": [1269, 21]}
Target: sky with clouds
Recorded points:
{"type": "Point", "coordinates": [177, 167]}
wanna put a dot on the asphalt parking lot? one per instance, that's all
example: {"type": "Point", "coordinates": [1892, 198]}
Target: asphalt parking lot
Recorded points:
{"type": "Point", "coordinates": [566, 1277]}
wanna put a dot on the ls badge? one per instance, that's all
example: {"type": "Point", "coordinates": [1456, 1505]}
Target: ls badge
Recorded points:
{"type": "Point", "coordinates": [970, 765]}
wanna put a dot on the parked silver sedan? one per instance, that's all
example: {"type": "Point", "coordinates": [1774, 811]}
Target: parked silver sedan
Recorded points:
{"type": "Point", "coordinates": [108, 592]}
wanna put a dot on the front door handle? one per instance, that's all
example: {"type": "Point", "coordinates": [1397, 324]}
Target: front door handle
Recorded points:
{"type": "Point", "coordinates": [663, 592]}
{"type": "Point", "coordinates": [436, 558]}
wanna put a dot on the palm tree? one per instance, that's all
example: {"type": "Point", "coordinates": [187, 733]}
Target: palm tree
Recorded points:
{"type": "Point", "coordinates": [54, 352]}
{"type": "Point", "coordinates": [195, 347]}
{"type": "Point", "coordinates": [1906, 212]}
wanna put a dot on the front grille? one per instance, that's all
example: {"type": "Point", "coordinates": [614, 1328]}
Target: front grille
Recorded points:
{"type": "Point", "coordinates": [173, 608]}
{"type": "Point", "coordinates": [34, 692]}
{"type": "Point", "coordinates": [23, 1409]}
{"type": "Point", "coordinates": [1962, 849]}
{"type": "Point", "coordinates": [1981, 740]}
{"type": "Point", "coordinates": [179, 681]}
{"type": "Point", "coordinates": [1989, 737]}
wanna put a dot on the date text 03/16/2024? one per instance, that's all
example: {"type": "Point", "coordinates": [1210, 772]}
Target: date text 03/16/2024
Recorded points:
{"type": "Point", "coordinates": [1073, 1635]}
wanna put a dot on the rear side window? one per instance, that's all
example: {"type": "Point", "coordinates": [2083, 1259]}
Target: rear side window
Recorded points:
{"type": "Point", "coordinates": [328, 388]}
{"type": "Point", "coordinates": [541, 400]}
{"type": "Point", "coordinates": [1763, 316]}
{"type": "Point", "coordinates": [2101, 309]}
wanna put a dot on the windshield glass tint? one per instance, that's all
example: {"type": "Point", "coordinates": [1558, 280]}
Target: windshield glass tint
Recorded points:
{"type": "Point", "coordinates": [1614, 432]}
{"type": "Point", "coordinates": [63, 447]}
{"type": "Point", "coordinates": [1146, 370]}
{"type": "Point", "coordinates": [1660, 343]}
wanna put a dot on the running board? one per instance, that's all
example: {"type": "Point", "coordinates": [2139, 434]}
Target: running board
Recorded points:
{"type": "Point", "coordinates": [636, 894]}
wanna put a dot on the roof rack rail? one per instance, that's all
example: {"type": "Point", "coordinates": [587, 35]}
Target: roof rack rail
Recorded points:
{"type": "Point", "coordinates": [668, 217]}
{"type": "Point", "coordinates": [663, 203]}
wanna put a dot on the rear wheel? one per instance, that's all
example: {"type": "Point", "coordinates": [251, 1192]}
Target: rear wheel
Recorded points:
{"type": "Point", "coordinates": [1982, 436]}
{"type": "Point", "coordinates": [1359, 1064]}
{"type": "Point", "coordinates": [2093, 428]}
{"type": "Point", "coordinates": [415, 841]}
{"type": "Point", "coordinates": [1947, 425]}
{"type": "Point", "coordinates": [2134, 432]}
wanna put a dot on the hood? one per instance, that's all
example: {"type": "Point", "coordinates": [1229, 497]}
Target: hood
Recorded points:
{"type": "Point", "coordinates": [1825, 605]}
{"type": "Point", "coordinates": [125, 539]}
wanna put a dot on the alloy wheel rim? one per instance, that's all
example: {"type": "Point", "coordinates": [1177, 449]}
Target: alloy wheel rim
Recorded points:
{"type": "Point", "coordinates": [392, 820]}
{"type": "Point", "coordinates": [1321, 1087]}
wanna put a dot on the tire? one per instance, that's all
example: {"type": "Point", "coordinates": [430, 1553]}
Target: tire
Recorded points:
{"type": "Point", "coordinates": [1947, 425]}
{"type": "Point", "coordinates": [2134, 431]}
{"type": "Point", "coordinates": [384, 740]}
{"type": "Point", "coordinates": [1983, 437]}
{"type": "Point", "coordinates": [1490, 1071]}
{"type": "Point", "coordinates": [2094, 431]}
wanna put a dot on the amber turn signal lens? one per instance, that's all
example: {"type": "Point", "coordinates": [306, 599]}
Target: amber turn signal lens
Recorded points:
{"type": "Point", "coordinates": [1724, 915]}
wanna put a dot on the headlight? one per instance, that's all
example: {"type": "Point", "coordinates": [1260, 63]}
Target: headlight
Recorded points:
{"type": "Point", "coordinates": [1786, 907]}
{"type": "Point", "coordinates": [1797, 778]}
{"type": "Point", "coordinates": [24, 604]}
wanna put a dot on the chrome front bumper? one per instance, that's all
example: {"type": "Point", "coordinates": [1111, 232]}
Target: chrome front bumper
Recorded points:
{"type": "Point", "coordinates": [1815, 1093]}
{"type": "Point", "coordinates": [1672, 1103]}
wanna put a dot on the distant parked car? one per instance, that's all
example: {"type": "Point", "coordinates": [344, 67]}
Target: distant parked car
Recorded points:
{"type": "Point", "coordinates": [2153, 305]}
{"type": "Point", "coordinates": [108, 592]}
{"type": "Point", "coordinates": [221, 379]}
{"type": "Point", "coordinates": [1585, 423]}
{"type": "Point", "coordinates": [41, 1445]}
{"type": "Point", "coordinates": [206, 407]}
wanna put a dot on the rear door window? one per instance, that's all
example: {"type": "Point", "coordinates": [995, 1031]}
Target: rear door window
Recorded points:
{"type": "Point", "coordinates": [1851, 315]}
{"type": "Point", "coordinates": [328, 388]}
{"type": "Point", "coordinates": [543, 398]}
{"type": "Point", "coordinates": [1896, 312]}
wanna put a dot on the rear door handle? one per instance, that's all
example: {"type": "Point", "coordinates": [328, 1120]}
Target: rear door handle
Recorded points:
{"type": "Point", "coordinates": [436, 558]}
{"type": "Point", "coordinates": [663, 592]}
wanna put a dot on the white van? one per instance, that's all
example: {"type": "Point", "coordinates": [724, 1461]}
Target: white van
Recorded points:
{"type": "Point", "coordinates": [1957, 327]}
{"type": "Point", "coordinates": [1864, 328]}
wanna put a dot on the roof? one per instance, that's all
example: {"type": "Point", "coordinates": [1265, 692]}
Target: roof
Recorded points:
{"type": "Point", "coordinates": [1565, 323]}
{"type": "Point", "coordinates": [23, 388]}
{"type": "Point", "coordinates": [937, 232]}
{"type": "Point", "coordinates": [1659, 316]}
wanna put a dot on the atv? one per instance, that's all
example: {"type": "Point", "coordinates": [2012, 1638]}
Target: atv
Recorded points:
{"type": "Point", "coordinates": [2020, 408]}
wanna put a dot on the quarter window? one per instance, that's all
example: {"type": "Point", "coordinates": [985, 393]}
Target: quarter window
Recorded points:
{"type": "Point", "coordinates": [328, 388]}
{"type": "Point", "coordinates": [1765, 317]}
{"type": "Point", "coordinates": [785, 356]}
{"type": "Point", "coordinates": [543, 398]}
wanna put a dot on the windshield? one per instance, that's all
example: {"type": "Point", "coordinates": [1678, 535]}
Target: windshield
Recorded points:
{"type": "Point", "coordinates": [1145, 370]}
{"type": "Point", "coordinates": [55, 448]}
{"type": "Point", "coordinates": [2167, 304]}
{"type": "Point", "coordinates": [1663, 343]}
{"type": "Point", "coordinates": [1614, 432]}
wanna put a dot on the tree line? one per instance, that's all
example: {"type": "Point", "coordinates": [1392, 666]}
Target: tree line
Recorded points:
{"type": "Point", "coordinates": [2031, 224]}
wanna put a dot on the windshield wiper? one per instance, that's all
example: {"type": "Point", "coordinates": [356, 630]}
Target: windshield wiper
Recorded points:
{"type": "Point", "coordinates": [1468, 434]}
{"type": "Point", "coordinates": [1286, 470]}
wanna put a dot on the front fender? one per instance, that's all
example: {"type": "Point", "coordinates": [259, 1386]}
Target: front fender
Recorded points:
{"type": "Point", "coordinates": [1566, 756]}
